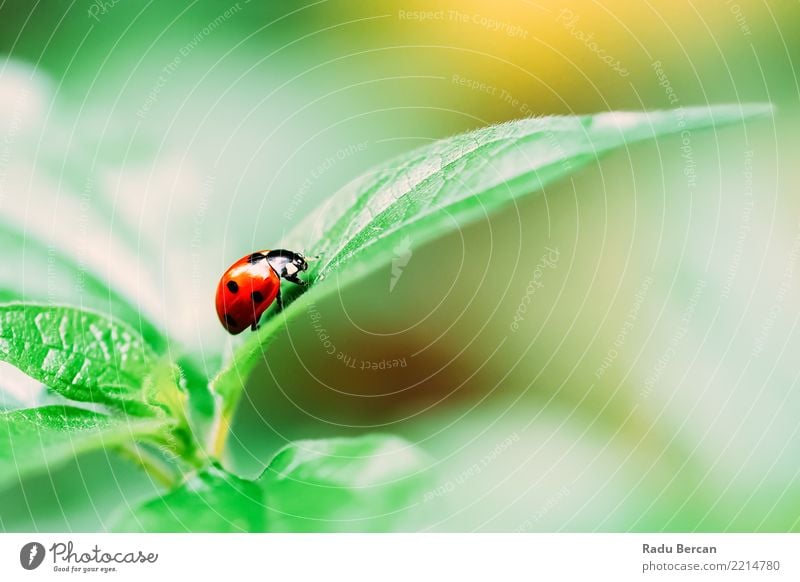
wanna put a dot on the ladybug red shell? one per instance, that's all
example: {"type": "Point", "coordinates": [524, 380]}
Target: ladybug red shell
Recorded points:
{"type": "Point", "coordinates": [252, 283]}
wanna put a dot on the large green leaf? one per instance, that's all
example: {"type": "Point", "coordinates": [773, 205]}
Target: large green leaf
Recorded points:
{"type": "Point", "coordinates": [211, 501]}
{"type": "Point", "coordinates": [82, 355]}
{"type": "Point", "coordinates": [369, 483]}
{"type": "Point", "coordinates": [36, 439]}
{"type": "Point", "coordinates": [443, 186]}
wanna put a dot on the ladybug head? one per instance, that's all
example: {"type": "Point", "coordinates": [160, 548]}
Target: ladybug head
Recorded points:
{"type": "Point", "coordinates": [287, 263]}
{"type": "Point", "coordinates": [299, 261]}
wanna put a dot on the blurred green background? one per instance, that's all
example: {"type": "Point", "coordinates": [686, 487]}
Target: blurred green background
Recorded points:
{"type": "Point", "coordinates": [649, 384]}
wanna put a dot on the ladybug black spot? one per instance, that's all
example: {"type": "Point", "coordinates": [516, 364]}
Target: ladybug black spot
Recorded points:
{"type": "Point", "coordinates": [257, 297]}
{"type": "Point", "coordinates": [230, 321]}
{"type": "Point", "coordinates": [233, 286]}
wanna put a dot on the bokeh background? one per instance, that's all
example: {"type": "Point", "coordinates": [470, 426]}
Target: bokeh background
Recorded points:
{"type": "Point", "coordinates": [617, 354]}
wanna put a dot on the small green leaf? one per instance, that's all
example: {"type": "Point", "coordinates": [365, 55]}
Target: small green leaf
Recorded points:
{"type": "Point", "coordinates": [36, 439]}
{"type": "Point", "coordinates": [211, 501]}
{"type": "Point", "coordinates": [451, 182]}
{"type": "Point", "coordinates": [82, 355]}
{"type": "Point", "coordinates": [201, 399]}
{"type": "Point", "coordinates": [188, 403]}
{"type": "Point", "coordinates": [444, 186]}
{"type": "Point", "coordinates": [202, 405]}
{"type": "Point", "coordinates": [369, 483]}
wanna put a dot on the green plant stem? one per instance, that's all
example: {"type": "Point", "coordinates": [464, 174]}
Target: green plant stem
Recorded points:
{"type": "Point", "coordinates": [153, 466]}
{"type": "Point", "coordinates": [219, 435]}
{"type": "Point", "coordinates": [228, 385]}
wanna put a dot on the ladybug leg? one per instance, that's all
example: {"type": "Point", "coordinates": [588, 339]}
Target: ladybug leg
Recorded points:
{"type": "Point", "coordinates": [278, 303]}
{"type": "Point", "coordinates": [256, 326]}
{"type": "Point", "coordinates": [295, 280]}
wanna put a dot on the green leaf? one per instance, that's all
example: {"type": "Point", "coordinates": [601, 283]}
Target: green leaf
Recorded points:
{"type": "Point", "coordinates": [188, 403]}
{"type": "Point", "coordinates": [201, 404]}
{"type": "Point", "coordinates": [211, 501]}
{"type": "Point", "coordinates": [435, 189]}
{"type": "Point", "coordinates": [369, 483]}
{"type": "Point", "coordinates": [7, 296]}
{"type": "Point", "coordinates": [82, 355]}
{"type": "Point", "coordinates": [37, 439]}
{"type": "Point", "coordinates": [438, 187]}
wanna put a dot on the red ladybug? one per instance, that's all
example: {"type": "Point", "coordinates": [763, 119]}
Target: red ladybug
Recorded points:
{"type": "Point", "coordinates": [252, 283]}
